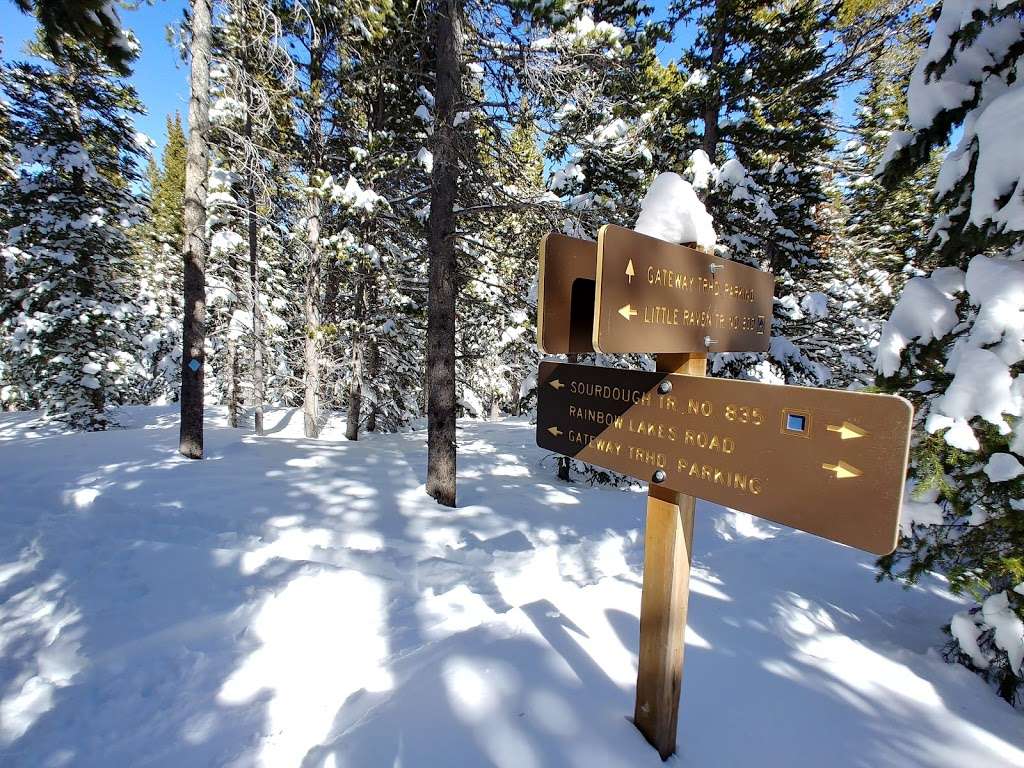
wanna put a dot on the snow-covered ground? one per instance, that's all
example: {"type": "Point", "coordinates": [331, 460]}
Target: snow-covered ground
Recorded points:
{"type": "Point", "coordinates": [294, 602]}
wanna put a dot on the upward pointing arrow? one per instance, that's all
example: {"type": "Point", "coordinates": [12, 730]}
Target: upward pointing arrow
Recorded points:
{"type": "Point", "coordinates": [628, 311]}
{"type": "Point", "coordinates": [847, 430]}
{"type": "Point", "coordinates": [630, 271]}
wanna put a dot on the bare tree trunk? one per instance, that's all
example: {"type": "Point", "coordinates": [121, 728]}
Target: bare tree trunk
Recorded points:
{"type": "Point", "coordinates": [440, 237]}
{"type": "Point", "coordinates": [311, 348]}
{"type": "Point", "coordinates": [355, 385]}
{"type": "Point", "coordinates": [234, 396]}
{"type": "Point", "coordinates": [372, 366]}
{"type": "Point", "coordinates": [495, 410]}
{"type": "Point", "coordinates": [193, 358]}
{"type": "Point", "coordinates": [258, 384]}
{"type": "Point", "coordinates": [233, 381]}
{"type": "Point", "coordinates": [713, 106]}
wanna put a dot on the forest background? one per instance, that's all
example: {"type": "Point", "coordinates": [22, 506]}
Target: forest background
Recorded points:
{"type": "Point", "coordinates": [346, 218]}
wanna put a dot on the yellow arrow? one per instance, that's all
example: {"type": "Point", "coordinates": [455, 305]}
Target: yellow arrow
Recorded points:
{"type": "Point", "coordinates": [556, 384]}
{"type": "Point", "coordinates": [842, 470]}
{"type": "Point", "coordinates": [628, 311]}
{"type": "Point", "coordinates": [847, 431]}
{"type": "Point", "coordinates": [630, 271]}
{"type": "Point", "coordinates": [555, 431]}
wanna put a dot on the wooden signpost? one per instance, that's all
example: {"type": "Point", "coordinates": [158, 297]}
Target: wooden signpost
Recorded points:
{"type": "Point", "coordinates": [830, 462]}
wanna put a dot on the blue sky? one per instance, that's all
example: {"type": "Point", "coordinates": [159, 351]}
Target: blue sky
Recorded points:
{"type": "Point", "coordinates": [161, 79]}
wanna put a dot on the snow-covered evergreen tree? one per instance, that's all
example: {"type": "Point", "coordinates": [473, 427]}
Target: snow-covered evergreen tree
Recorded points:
{"type": "Point", "coordinates": [954, 344]}
{"type": "Point", "coordinates": [68, 315]}
{"type": "Point", "coordinates": [888, 225]}
{"type": "Point", "coordinates": [604, 93]}
{"type": "Point", "coordinates": [160, 283]}
{"type": "Point", "coordinates": [375, 300]}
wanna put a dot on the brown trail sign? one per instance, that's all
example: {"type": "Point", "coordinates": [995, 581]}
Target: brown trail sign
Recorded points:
{"type": "Point", "coordinates": [565, 294]}
{"type": "Point", "coordinates": [652, 296]}
{"type": "Point", "coordinates": [829, 462]}
{"type": "Point", "coordinates": [825, 461]}
{"type": "Point", "coordinates": [633, 293]}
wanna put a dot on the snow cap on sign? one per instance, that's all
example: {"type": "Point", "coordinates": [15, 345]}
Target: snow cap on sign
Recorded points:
{"type": "Point", "coordinates": [672, 211]}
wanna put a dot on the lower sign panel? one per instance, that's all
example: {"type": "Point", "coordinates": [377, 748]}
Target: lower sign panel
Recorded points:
{"type": "Point", "coordinates": [829, 462]}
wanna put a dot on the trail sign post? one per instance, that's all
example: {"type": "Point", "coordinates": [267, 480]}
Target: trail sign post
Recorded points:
{"type": "Point", "coordinates": [829, 462]}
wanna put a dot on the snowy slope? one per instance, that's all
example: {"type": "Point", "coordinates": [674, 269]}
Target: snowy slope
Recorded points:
{"type": "Point", "coordinates": [295, 602]}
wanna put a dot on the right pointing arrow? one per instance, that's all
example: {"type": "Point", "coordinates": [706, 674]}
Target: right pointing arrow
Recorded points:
{"type": "Point", "coordinates": [847, 430]}
{"type": "Point", "coordinates": [555, 431]}
{"type": "Point", "coordinates": [842, 470]}
{"type": "Point", "coordinates": [628, 311]}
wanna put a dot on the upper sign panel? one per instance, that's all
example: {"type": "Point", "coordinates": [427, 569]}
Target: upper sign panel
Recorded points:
{"type": "Point", "coordinates": [652, 296]}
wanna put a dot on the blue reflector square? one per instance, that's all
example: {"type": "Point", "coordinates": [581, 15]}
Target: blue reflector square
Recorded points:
{"type": "Point", "coordinates": [795, 422]}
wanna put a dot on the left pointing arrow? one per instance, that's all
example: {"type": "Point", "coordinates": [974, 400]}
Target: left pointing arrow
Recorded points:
{"type": "Point", "coordinates": [555, 431]}
{"type": "Point", "coordinates": [556, 384]}
{"type": "Point", "coordinates": [628, 311]}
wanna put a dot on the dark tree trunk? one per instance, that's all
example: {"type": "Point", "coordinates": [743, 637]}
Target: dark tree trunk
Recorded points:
{"type": "Point", "coordinates": [194, 327]}
{"type": "Point", "coordinates": [441, 241]}
{"type": "Point", "coordinates": [233, 361]}
{"type": "Point", "coordinates": [355, 384]}
{"type": "Point", "coordinates": [713, 106]}
{"type": "Point", "coordinates": [258, 384]}
{"type": "Point", "coordinates": [372, 366]}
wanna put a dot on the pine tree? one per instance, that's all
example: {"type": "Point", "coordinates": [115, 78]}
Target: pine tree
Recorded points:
{"type": "Point", "coordinates": [68, 314]}
{"type": "Point", "coordinates": [251, 130]}
{"type": "Point", "coordinates": [889, 225]}
{"type": "Point", "coordinates": [161, 286]}
{"type": "Point", "coordinates": [881, 232]}
{"type": "Point", "coordinates": [90, 22]}
{"type": "Point", "coordinates": [496, 342]}
{"type": "Point", "coordinates": [604, 135]}
{"type": "Point", "coordinates": [953, 344]}
{"type": "Point", "coordinates": [753, 86]}
{"type": "Point", "coordinates": [167, 200]}
{"type": "Point", "coordinates": [376, 285]}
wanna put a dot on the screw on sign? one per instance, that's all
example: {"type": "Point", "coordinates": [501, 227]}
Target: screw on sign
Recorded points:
{"type": "Point", "coordinates": [801, 456]}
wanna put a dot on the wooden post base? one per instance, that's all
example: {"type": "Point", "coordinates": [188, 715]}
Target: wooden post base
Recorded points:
{"type": "Point", "coordinates": [668, 550]}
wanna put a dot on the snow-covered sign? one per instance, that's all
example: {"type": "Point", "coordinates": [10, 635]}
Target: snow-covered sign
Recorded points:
{"type": "Point", "coordinates": [654, 296]}
{"type": "Point", "coordinates": [633, 293]}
